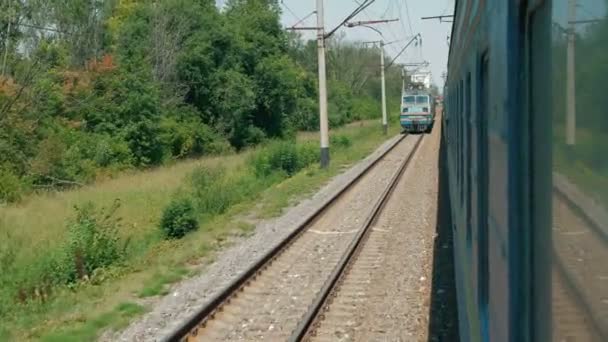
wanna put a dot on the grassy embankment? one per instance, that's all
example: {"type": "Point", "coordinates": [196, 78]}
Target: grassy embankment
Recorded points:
{"type": "Point", "coordinates": [33, 232]}
{"type": "Point", "coordinates": [585, 163]}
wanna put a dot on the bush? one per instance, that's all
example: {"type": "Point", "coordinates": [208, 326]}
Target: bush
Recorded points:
{"type": "Point", "coordinates": [144, 143]}
{"type": "Point", "coordinates": [178, 218]}
{"type": "Point", "coordinates": [283, 156]}
{"type": "Point", "coordinates": [306, 116]}
{"type": "Point", "coordinates": [92, 243]}
{"type": "Point", "coordinates": [11, 188]}
{"type": "Point", "coordinates": [190, 138]}
{"type": "Point", "coordinates": [340, 141]}
{"type": "Point", "coordinates": [111, 151]}
{"type": "Point", "coordinates": [365, 107]}
{"type": "Point", "coordinates": [91, 247]}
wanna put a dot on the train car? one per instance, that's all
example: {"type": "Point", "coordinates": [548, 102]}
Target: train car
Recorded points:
{"type": "Point", "coordinates": [523, 130]}
{"type": "Point", "coordinates": [417, 109]}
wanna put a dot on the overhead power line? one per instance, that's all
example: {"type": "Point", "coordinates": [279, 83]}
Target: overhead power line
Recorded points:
{"type": "Point", "coordinates": [358, 10]}
{"type": "Point", "coordinates": [394, 36]}
{"type": "Point", "coordinates": [415, 38]}
{"type": "Point", "coordinates": [302, 20]}
{"type": "Point", "coordinates": [409, 20]}
{"type": "Point", "coordinates": [290, 11]}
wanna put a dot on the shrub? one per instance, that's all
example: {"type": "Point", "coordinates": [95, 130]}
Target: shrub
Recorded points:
{"type": "Point", "coordinates": [11, 187]}
{"type": "Point", "coordinates": [365, 107]}
{"type": "Point", "coordinates": [306, 116]}
{"type": "Point", "coordinates": [111, 151]}
{"type": "Point", "coordinates": [340, 141]}
{"type": "Point", "coordinates": [92, 243]}
{"type": "Point", "coordinates": [190, 137]}
{"type": "Point", "coordinates": [178, 218]}
{"type": "Point", "coordinates": [144, 143]}
{"type": "Point", "coordinates": [283, 156]}
{"type": "Point", "coordinates": [308, 153]}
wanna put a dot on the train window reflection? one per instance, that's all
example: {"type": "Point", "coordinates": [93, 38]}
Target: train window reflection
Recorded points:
{"type": "Point", "coordinates": [580, 170]}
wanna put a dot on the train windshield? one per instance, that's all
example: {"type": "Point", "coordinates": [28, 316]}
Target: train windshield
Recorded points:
{"type": "Point", "coordinates": [409, 99]}
{"type": "Point", "coordinates": [422, 99]}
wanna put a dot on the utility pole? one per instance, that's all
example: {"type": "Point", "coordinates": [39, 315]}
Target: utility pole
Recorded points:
{"type": "Point", "coordinates": [8, 37]}
{"type": "Point", "coordinates": [384, 120]}
{"type": "Point", "coordinates": [570, 75]}
{"type": "Point", "coordinates": [382, 68]}
{"type": "Point", "coordinates": [324, 125]}
{"type": "Point", "coordinates": [321, 37]}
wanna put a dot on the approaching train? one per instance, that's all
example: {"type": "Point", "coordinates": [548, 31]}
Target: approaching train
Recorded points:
{"type": "Point", "coordinates": [524, 136]}
{"type": "Point", "coordinates": [417, 109]}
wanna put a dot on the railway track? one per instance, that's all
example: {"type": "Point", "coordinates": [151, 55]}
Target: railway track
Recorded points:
{"type": "Point", "coordinates": [580, 275]}
{"type": "Point", "coordinates": [383, 292]}
{"type": "Point", "coordinates": [279, 297]}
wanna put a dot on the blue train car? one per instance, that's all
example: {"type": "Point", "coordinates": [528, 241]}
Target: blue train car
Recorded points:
{"type": "Point", "coordinates": [508, 128]}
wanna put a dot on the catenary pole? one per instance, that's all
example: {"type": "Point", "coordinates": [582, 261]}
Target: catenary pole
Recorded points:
{"type": "Point", "coordinates": [384, 120]}
{"type": "Point", "coordinates": [324, 126]}
{"type": "Point", "coordinates": [570, 81]}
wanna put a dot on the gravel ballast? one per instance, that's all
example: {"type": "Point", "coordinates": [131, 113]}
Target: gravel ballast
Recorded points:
{"type": "Point", "coordinates": [187, 296]}
{"type": "Point", "coordinates": [385, 295]}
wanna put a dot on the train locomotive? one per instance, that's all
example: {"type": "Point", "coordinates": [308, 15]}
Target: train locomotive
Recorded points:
{"type": "Point", "coordinates": [417, 109]}
{"type": "Point", "coordinates": [527, 266]}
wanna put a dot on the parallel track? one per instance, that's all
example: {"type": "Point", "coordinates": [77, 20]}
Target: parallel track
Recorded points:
{"type": "Point", "coordinates": [580, 275]}
{"type": "Point", "coordinates": [259, 279]}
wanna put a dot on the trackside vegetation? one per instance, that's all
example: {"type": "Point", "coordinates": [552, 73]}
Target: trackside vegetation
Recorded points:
{"type": "Point", "coordinates": [66, 267]}
{"type": "Point", "coordinates": [138, 137]}
{"type": "Point", "coordinates": [582, 163]}
{"type": "Point", "coordinates": [91, 89]}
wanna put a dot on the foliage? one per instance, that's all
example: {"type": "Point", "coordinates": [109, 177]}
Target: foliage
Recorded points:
{"type": "Point", "coordinates": [283, 156]}
{"type": "Point", "coordinates": [178, 218]}
{"type": "Point", "coordinates": [127, 84]}
{"type": "Point", "coordinates": [11, 188]}
{"type": "Point", "coordinates": [37, 296]}
{"type": "Point", "coordinates": [92, 242]}
{"type": "Point", "coordinates": [340, 141]}
{"type": "Point", "coordinates": [584, 162]}
{"type": "Point", "coordinates": [90, 246]}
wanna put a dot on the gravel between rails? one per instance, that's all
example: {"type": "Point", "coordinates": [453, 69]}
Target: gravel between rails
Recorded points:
{"type": "Point", "coordinates": [187, 296]}
{"type": "Point", "coordinates": [385, 295]}
{"type": "Point", "coordinates": [274, 303]}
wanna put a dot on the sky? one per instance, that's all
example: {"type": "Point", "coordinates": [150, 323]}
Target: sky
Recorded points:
{"type": "Point", "coordinates": [434, 47]}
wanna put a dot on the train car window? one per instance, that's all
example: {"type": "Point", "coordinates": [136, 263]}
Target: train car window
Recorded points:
{"type": "Point", "coordinates": [460, 139]}
{"type": "Point", "coordinates": [468, 162]}
{"type": "Point", "coordinates": [482, 211]}
{"type": "Point", "coordinates": [459, 155]}
{"type": "Point", "coordinates": [579, 198]}
{"type": "Point", "coordinates": [457, 133]}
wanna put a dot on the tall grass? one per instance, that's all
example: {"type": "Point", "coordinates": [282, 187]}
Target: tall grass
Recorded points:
{"type": "Point", "coordinates": [584, 163]}
{"type": "Point", "coordinates": [115, 253]}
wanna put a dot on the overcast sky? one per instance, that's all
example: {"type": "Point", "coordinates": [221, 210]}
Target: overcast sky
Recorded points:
{"type": "Point", "coordinates": [434, 47]}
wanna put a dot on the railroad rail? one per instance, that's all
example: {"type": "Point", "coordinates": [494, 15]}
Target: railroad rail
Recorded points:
{"type": "Point", "coordinates": [193, 328]}
{"type": "Point", "coordinates": [312, 316]}
{"type": "Point", "coordinates": [580, 280]}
